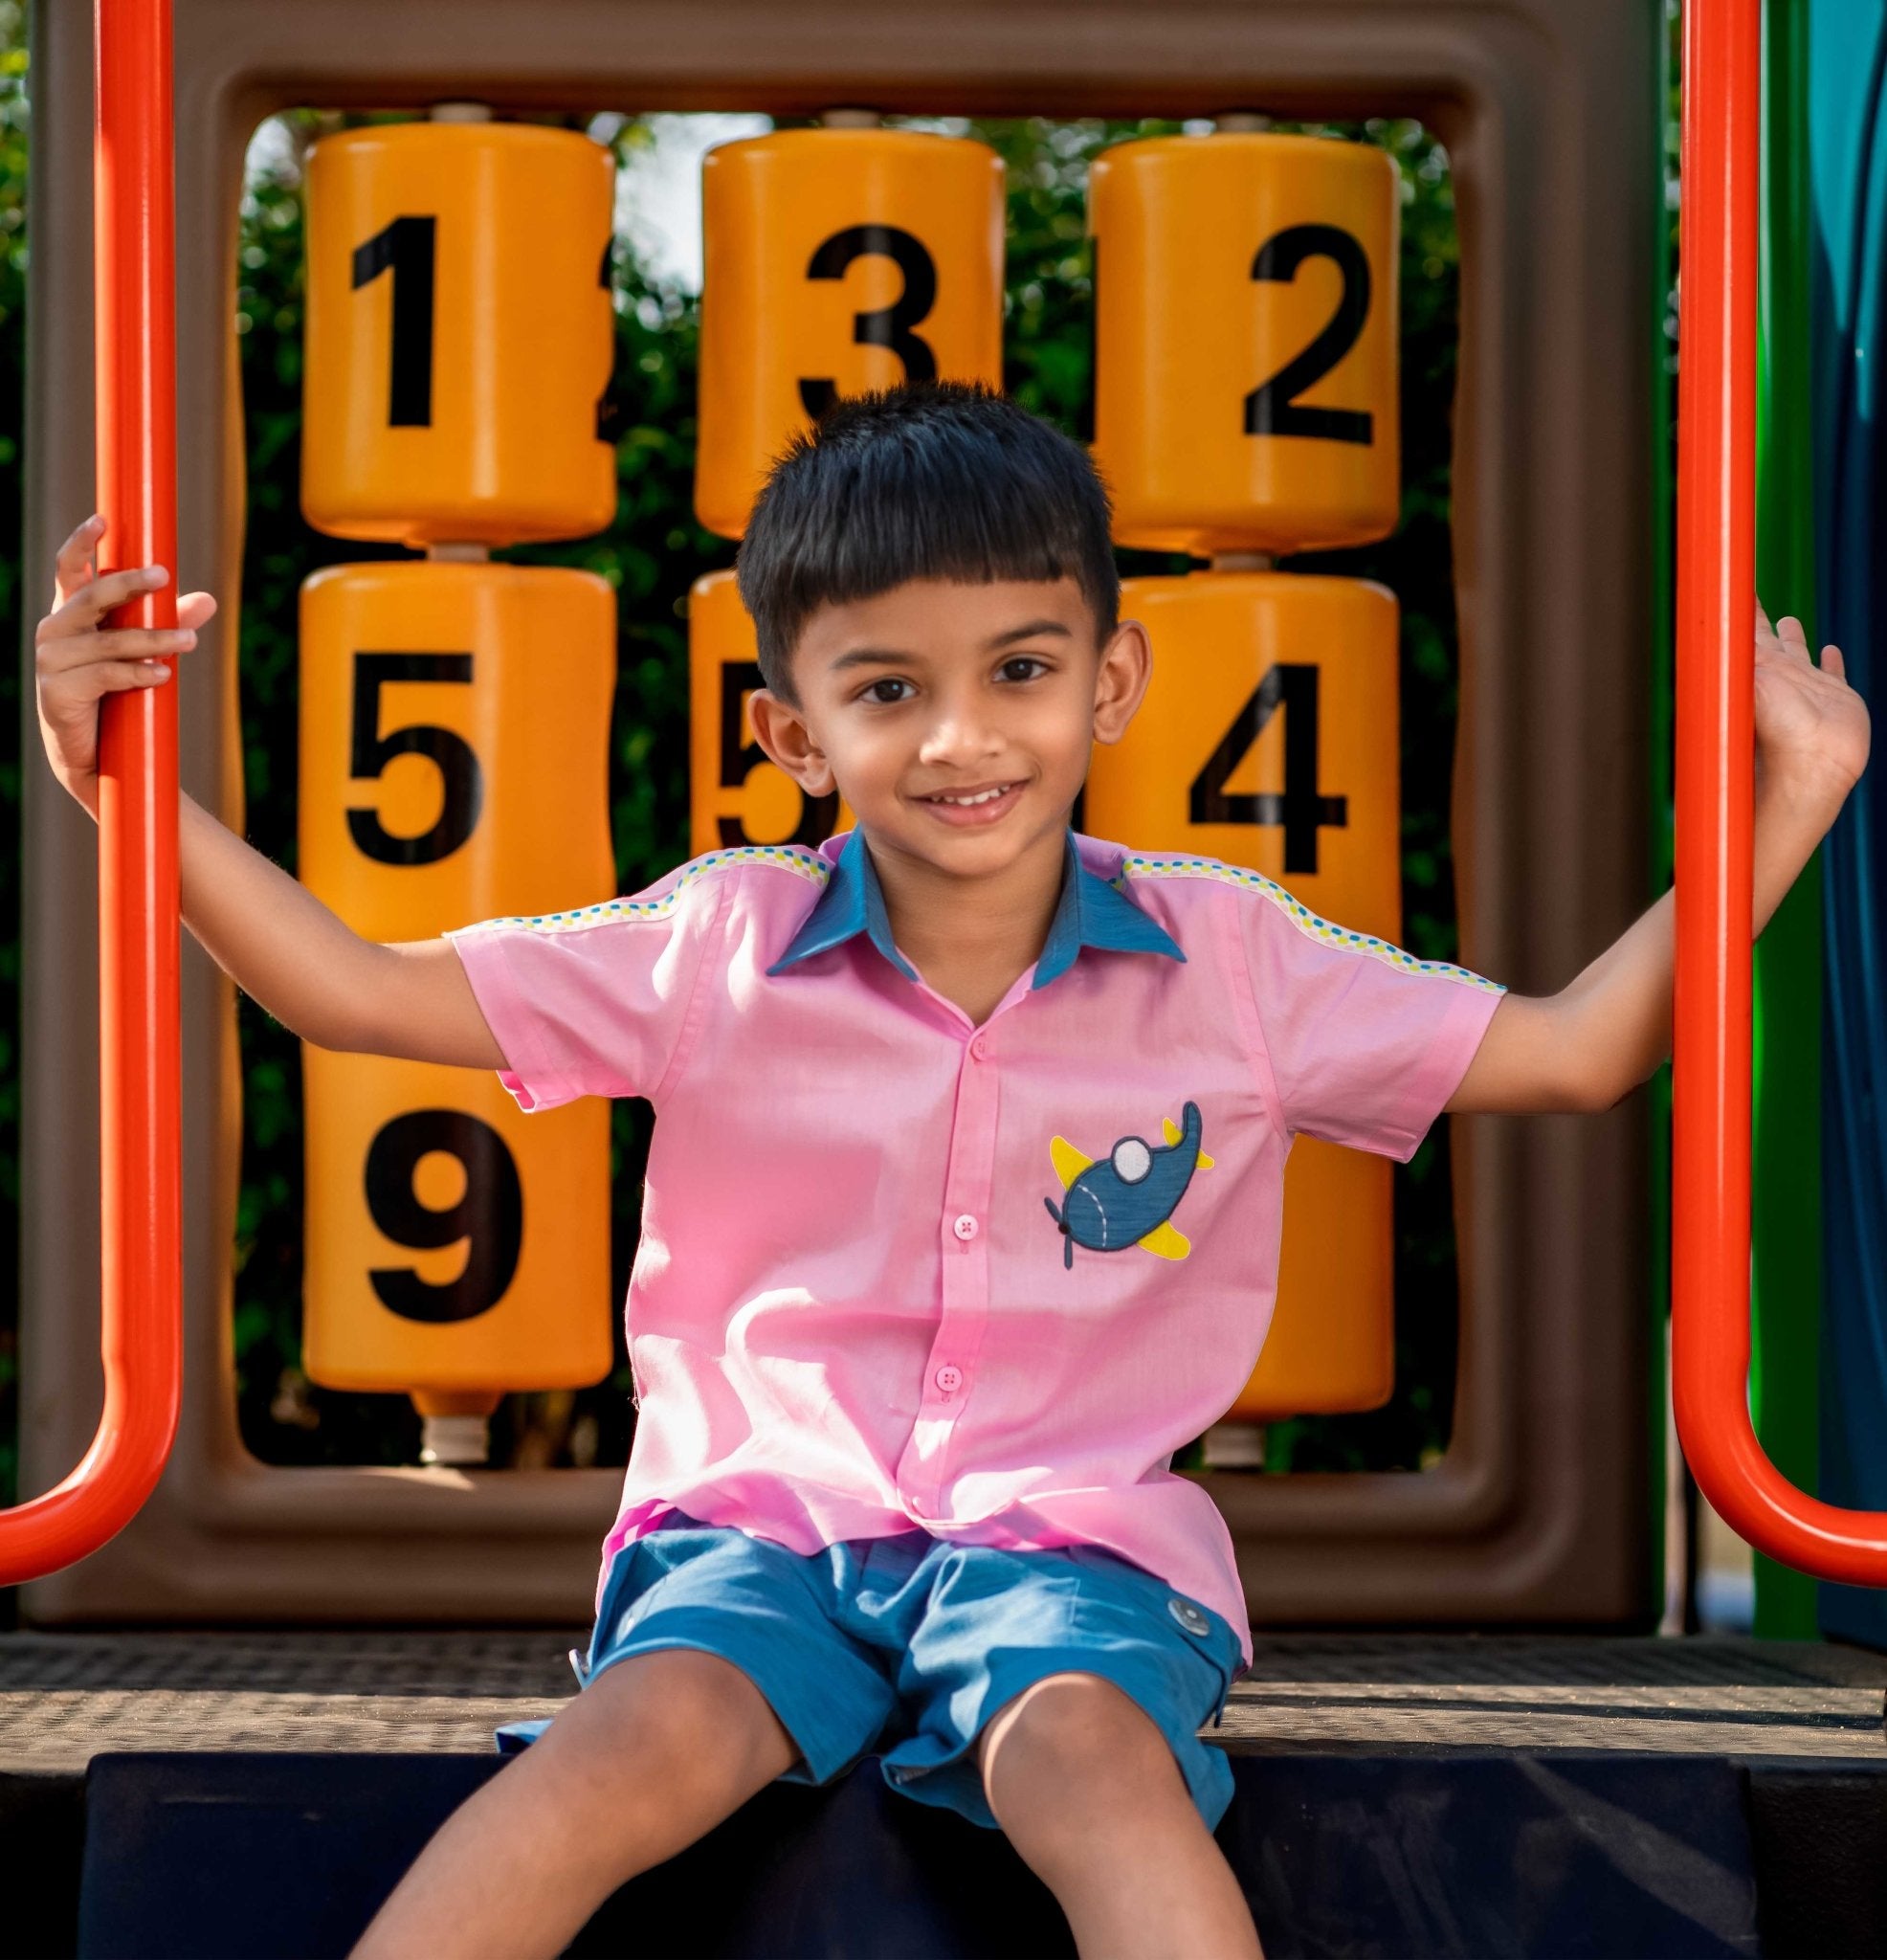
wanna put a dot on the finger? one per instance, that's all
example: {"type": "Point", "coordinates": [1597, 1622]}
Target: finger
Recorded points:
{"type": "Point", "coordinates": [195, 608]}
{"type": "Point", "coordinates": [73, 652]}
{"type": "Point", "coordinates": [85, 605]}
{"type": "Point", "coordinates": [75, 563]}
{"type": "Point", "coordinates": [1835, 662]}
{"type": "Point", "coordinates": [119, 676]}
{"type": "Point", "coordinates": [1791, 637]}
{"type": "Point", "coordinates": [1762, 619]}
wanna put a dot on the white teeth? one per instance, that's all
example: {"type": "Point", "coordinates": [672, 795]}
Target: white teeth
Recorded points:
{"type": "Point", "coordinates": [970, 802]}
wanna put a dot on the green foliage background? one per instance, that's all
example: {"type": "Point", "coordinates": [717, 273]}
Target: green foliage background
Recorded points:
{"type": "Point", "coordinates": [651, 555]}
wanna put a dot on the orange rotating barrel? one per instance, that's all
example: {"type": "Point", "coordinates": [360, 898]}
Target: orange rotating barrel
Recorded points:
{"type": "Point", "coordinates": [453, 760]}
{"type": "Point", "coordinates": [460, 334]}
{"type": "Point", "coordinates": [838, 260]}
{"type": "Point", "coordinates": [1246, 341]}
{"type": "Point", "coordinates": [1245, 403]}
{"type": "Point", "coordinates": [1269, 738]}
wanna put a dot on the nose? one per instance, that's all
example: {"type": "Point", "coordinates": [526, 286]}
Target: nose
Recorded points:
{"type": "Point", "coordinates": [960, 733]}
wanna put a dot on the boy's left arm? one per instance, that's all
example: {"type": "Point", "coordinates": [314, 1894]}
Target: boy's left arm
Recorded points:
{"type": "Point", "coordinates": [1588, 1046]}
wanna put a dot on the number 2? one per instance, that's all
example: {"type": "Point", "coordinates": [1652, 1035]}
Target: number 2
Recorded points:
{"type": "Point", "coordinates": [884, 327]}
{"type": "Point", "coordinates": [406, 248]}
{"type": "Point", "coordinates": [1302, 809]}
{"type": "Point", "coordinates": [1273, 406]}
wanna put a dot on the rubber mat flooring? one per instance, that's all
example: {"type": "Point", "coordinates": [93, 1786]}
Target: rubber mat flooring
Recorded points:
{"type": "Point", "coordinates": [67, 1697]}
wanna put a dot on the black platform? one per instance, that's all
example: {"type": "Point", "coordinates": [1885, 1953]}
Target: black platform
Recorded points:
{"type": "Point", "coordinates": [1396, 1797]}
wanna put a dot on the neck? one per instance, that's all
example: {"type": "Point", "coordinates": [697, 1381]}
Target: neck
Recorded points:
{"type": "Point", "coordinates": [972, 937]}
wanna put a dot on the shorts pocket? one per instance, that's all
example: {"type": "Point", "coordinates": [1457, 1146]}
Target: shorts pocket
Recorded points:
{"type": "Point", "coordinates": [1178, 1623]}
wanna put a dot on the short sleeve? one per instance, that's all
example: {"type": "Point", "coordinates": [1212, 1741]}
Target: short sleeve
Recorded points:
{"type": "Point", "coordinates": [1366, 1042]}
{"type": "Point", "coordinates": [593, 1002]}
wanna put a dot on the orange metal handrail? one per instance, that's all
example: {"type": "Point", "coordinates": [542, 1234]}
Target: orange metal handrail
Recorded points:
{"type": "Point", "coordinates": [1715, 816]}
{"type": "Point", "coordinates": [140, 1136]}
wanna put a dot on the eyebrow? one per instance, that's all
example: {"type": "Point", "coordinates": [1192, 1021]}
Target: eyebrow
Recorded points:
{"type": "Point", "coordinates": [879, 656]}
{"type": "Point", "coordinates": [1031, 631]}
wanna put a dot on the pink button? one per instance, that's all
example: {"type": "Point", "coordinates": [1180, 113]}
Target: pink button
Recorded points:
{"type": "Point", "coordinates": [949, 1378]}
{"type": "Point", "coordinates": [979, 1048]}
{"type": "Point", "coordinates": [965, 1228]}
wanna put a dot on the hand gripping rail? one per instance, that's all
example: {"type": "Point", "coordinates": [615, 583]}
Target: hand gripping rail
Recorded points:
{"type": "Point", "coordinates": [141, 1137]}
{"type": "Point", "coordinates": [1715, 797]}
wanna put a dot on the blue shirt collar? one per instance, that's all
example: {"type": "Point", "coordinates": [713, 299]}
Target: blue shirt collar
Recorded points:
{"type": "Point", "coordinates": [1089, 912]}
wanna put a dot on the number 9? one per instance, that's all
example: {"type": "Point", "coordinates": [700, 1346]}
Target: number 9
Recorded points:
{"type": "Point", "coordinates": [489, 1214]}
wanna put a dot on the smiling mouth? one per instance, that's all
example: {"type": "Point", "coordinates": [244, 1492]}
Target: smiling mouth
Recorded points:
{"type": "Point", "coordinates": [969, 799]}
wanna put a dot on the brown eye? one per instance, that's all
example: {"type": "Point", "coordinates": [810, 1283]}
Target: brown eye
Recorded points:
{"type": "Point", "coordinates": [1024, 667]}
{"type": "Point", "coordinates": [875, 693]}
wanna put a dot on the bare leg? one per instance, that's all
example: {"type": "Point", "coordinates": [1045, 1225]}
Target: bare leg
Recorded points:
{"type": "Point", "coordinates": [655, 1752]}
{"type": "Point", "coordinates": [1082, 1782]}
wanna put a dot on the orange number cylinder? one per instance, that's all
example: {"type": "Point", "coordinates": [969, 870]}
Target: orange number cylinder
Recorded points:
{"type": "Point", "coordinates": [1246, 341]}
{"type": "Point", "coordinates": [453, 759]}
{"type": "Point", "coordinates": [460, 334]}
{"type": "Point", "coordinates": [735, 795]}
{"type": "Point", "coordinates": [838, 260]}
{"type": "Point", "coordinates": [1269, 738]}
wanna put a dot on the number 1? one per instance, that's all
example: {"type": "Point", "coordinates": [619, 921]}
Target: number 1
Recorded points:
{"type": "Point", "coordinates": [405, 250]}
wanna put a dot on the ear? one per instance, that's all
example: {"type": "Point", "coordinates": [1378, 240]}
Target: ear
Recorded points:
{"type": "Point", "coordinates": [1126, 666]}
{"type": "Point", "coordinates": [782, 731]}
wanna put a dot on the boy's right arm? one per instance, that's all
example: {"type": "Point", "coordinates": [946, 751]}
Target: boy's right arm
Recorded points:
{"type": "Point", "coordinates": [280, 945]}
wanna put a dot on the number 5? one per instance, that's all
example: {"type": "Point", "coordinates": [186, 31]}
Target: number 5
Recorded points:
{"type": "Point", "coordinates": [461, 780]}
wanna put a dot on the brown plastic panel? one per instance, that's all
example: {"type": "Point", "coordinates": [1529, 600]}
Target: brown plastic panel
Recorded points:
{"type": "Point", "coordinates": [1541, 1510]}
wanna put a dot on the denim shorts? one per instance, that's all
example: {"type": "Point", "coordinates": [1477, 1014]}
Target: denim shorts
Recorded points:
{"type": "Point", "coordinates": [904, 1647]}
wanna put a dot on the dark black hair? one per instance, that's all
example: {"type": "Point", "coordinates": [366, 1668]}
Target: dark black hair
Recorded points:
{"type": "Point", "coordinates": [935, 479]}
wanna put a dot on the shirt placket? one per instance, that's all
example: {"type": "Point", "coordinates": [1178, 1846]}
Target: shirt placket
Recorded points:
{"type": "Point", "coordinates": [950, 1371]}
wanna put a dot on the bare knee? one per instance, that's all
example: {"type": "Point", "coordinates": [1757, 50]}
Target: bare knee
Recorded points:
{"type": "Point", "coordinates": [1068, 1750]}
{"type": "Point", "coordinates": [677, 1725]}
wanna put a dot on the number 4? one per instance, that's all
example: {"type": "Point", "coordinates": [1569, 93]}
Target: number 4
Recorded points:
{"type": "Point", "coordinates": [1302, 809]}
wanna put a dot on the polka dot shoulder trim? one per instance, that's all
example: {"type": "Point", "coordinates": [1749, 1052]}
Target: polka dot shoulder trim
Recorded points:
{"type": "Point", "coordinates": [1137, 866]}
{"type": "Point", "coordinates": [792, 859]}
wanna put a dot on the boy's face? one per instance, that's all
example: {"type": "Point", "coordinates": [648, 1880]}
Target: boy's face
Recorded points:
{"type": "Point", "coordinates": [956, 719]}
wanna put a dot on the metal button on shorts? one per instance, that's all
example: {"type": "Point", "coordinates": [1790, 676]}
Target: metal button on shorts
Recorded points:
{"type": "Point", "coordinates": [1191, 1618]}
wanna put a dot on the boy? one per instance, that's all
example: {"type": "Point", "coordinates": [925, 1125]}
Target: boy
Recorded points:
{"type": "Point", "coordinates": [963, 1209]}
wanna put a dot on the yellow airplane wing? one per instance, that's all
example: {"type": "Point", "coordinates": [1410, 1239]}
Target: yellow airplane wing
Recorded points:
{"type": "Point", "coordinates": [1166, 1242]}
{"type": "Point", "coordinates": [1069, 1162]}
{"type": "Point", "coordinates": [1173, 1134]}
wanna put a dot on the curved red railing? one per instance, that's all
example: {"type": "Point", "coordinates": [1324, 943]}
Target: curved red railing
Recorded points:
{"type": "Point", "coordinates": [1715, 796]}
{"type": "Point", "coordinates": [140, 1136]}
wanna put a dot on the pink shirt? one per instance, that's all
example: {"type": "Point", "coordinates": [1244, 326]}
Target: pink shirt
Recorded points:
{"type": "Point", "coordinates": [897, 1270]}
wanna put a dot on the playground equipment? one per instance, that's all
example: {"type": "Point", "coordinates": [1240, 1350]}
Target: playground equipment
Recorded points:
{"type": "Point", "coordinates": [1832, 103]}
{"type": "Point", "coordinates": [837, 259]}
{"type": "Point", "coordinates": [1538, 1512]}
{"type": "Point", "coordinates": [1553, 393]}
{"type": "Point", "coordinates": [1246, 403]}
{"type": "Point", "coordinates": [139, 1155]}
{"type": "Point", "coordinates": [1716, 752]}
{"type": "Point", "coordinates": [455, 737]}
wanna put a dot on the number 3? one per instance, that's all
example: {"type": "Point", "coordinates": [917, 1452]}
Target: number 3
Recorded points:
{"type": "Point", "coordinates": [886, 326]}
